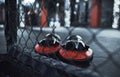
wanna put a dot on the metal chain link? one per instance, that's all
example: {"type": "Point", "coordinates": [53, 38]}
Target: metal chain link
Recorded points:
{"type": "Point", "coordinates": [29, 35]}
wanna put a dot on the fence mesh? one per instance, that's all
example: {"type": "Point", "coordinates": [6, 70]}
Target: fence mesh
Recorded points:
{"type": "Point", "coordinates": [38, 18]}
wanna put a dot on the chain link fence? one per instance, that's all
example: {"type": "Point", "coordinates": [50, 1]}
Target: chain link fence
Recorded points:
{"type": "Point", "coordinates": [29, 22]}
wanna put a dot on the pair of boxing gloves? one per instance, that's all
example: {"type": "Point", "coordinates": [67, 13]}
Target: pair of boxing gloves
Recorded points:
{"type": "Point", "coordinates": [74, 49]}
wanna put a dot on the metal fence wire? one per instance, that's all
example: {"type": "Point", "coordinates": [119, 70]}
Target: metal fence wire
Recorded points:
{"type": "Point", "coordinates": [28, 23]}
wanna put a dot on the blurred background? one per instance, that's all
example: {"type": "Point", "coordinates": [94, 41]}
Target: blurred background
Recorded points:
{"type": "Point", "coordinates": [79, 13]}
{"type": "Point", "coordinates": [25, 22]}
